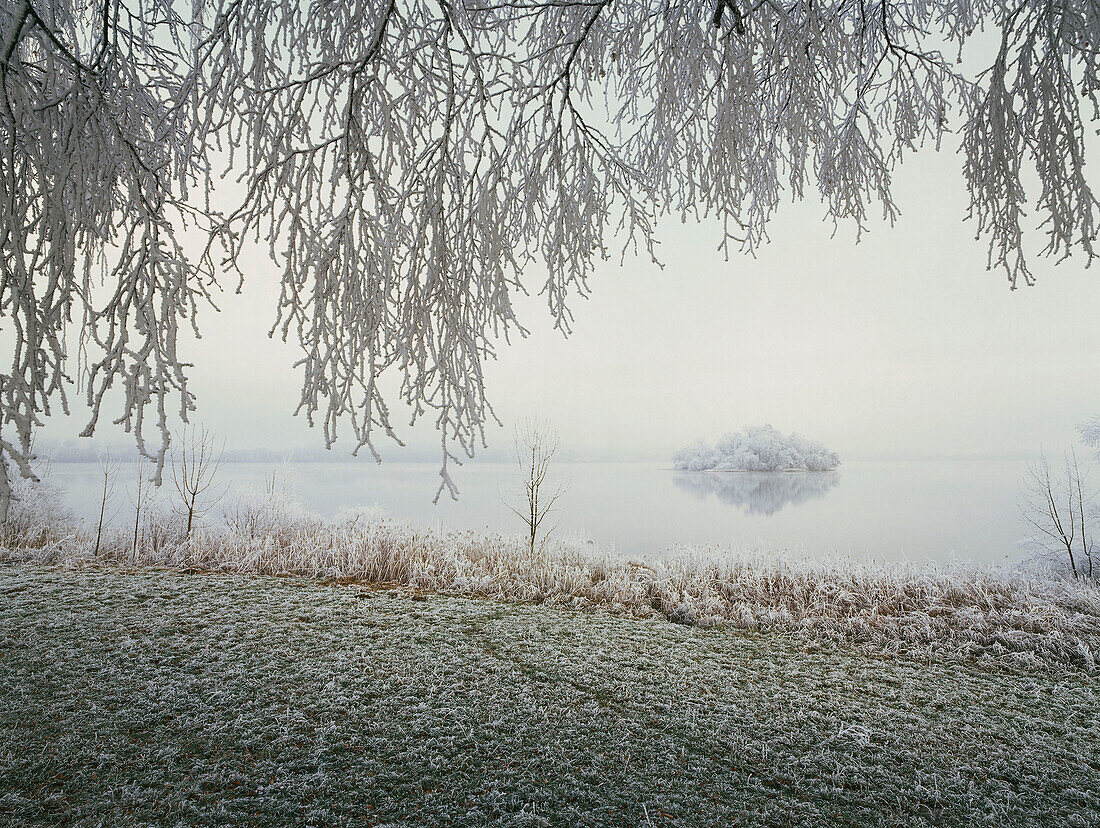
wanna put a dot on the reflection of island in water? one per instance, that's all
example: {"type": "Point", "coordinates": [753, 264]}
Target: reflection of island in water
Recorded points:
{"type": "Point", "coordinates": [757, 493]}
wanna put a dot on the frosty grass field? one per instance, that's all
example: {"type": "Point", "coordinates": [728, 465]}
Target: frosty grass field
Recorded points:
{"type": "Point", "coordinates": [144, 696]}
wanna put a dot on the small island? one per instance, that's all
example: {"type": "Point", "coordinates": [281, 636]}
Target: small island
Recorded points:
{"type": "Point", "coordinates": [757, 449]}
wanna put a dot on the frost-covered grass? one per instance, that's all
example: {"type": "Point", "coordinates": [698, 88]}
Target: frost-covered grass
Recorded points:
{"type": "Point", "coordinates": [136, 697]}
{"type": "Point", "coordinates": [973, 614]}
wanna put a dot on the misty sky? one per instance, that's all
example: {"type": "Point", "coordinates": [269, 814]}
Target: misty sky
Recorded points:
{"type": "Point", "coordinates": [903, 346]}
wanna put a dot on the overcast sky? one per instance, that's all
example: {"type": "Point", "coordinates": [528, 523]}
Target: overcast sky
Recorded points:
{"type": "Point", "coordinates": [903, 346]}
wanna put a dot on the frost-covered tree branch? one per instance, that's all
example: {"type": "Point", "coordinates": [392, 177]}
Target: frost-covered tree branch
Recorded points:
{"type": "Point", "coordinates": [97, 164]}
{"type": "Point", "coordinates": [409, 162]}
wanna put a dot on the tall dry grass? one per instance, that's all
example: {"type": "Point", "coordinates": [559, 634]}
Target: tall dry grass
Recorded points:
{"type": "Point", "coordinates": [1030, 619]}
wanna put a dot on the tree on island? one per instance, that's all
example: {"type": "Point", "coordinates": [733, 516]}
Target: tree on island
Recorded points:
{"type": "Point", "coordinates": [757, 449]}
{"type": "Point", "coordinates": [407, 163]}
{"type": "Point", "coordinates": [1090, 432]}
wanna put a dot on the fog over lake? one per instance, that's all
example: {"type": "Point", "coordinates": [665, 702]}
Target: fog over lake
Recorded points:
{"type": "Point", "coordinates": [927, 510]}
{"type": "Point", "coordinates": [900, 347]}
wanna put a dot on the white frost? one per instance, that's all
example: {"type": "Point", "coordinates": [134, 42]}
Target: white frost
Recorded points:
{"type": "Point", "coordinates": [757, 449]}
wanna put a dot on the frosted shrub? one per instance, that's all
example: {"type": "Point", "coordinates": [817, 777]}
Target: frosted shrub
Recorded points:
{"type": "Point", "coordinates": [757, 449]}
{"type": "Point", "coordinates": [258, 513]}
{"type": "Point", "coordinates": [38, 523]}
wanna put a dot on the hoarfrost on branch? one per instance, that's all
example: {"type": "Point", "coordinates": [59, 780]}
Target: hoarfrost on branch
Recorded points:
{"type": "Point", "coordinates": [407, 163]}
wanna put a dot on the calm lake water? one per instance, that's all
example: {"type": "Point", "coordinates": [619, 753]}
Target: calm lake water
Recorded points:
{"type": "Point", "coordinates": [920, 510]}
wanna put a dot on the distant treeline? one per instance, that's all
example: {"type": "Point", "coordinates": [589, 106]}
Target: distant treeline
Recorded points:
{"type": "Point", "coordinates": [72, 451]}
{"type": "Point", "coordinates": [87, 451]}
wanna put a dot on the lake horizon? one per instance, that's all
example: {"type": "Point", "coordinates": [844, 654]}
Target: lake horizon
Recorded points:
{"type": "Point", "coordinates": [924, 511]}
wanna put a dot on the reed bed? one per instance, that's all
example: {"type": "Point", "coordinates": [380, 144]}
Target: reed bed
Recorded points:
{"type": "Point", "coordinates": [1035, 619]}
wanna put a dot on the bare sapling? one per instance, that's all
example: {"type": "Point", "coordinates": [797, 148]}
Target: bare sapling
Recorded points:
{"type": "Point", "coordinates": [193, 472]}
{"type": "Point", "coordinates": [1056, 507]}
{"type": "Point", "coordinates": [5, 490]}
{"type": "Point", "coordinates": [139, 501]}
{"type": "Point", "coordinates": [110, 472]}
{"type": "Point", "coordinates": [536, 443]}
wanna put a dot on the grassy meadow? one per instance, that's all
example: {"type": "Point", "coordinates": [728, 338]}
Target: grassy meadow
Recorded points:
{"type": "Point", "coordinates": [146, 696]}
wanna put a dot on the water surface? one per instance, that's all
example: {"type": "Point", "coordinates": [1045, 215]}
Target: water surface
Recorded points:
{"type": "Point", "coordinates": [919, 510]}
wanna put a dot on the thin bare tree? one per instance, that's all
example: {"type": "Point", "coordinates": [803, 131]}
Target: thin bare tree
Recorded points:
{"type": "Point", "coordinates": [1056, 507]}
{"type": "Point", "coordinates": [193, 472]}
{"type": "Point", "coordinates": [110, 473]}
{"type": "Point", "coordinates": [141, 495]}
{"type": "Point", "coordinates": [536, 444]}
